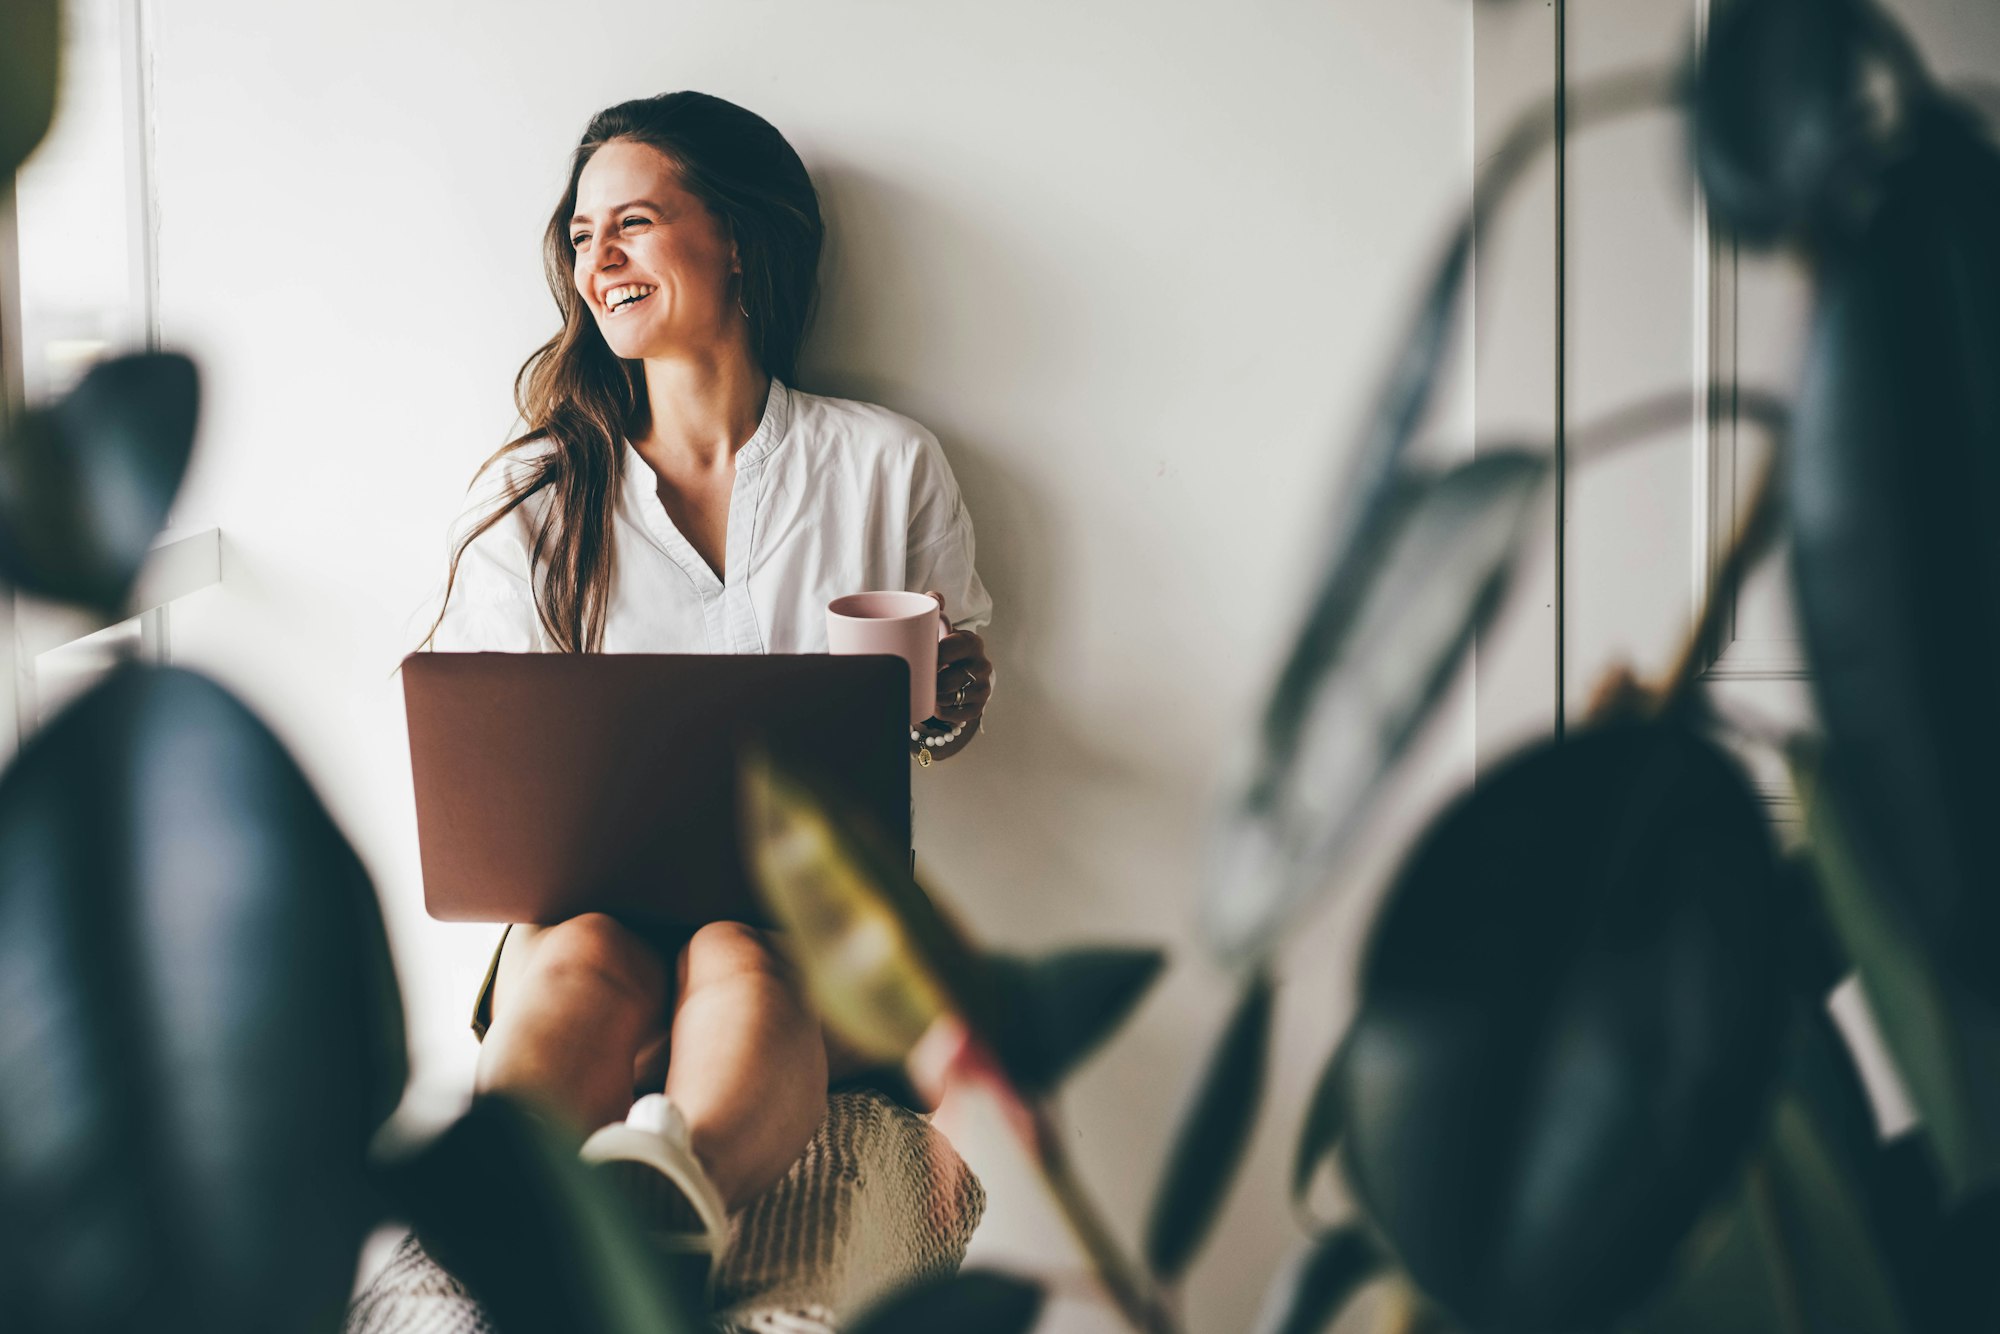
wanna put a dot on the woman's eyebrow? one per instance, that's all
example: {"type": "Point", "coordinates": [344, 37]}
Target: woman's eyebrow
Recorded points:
{"type": "Point", "coordinates": [619, 208]}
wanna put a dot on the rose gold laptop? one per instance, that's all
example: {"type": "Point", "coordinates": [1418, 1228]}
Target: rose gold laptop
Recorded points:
{"type": "Point", "coordinates": [550, 784]}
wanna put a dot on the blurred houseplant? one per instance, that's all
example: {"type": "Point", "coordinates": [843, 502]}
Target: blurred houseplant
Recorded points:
{"type": "Point", "coordinates": [203, 1035]}
{"type": "Point", "coordinates": [1591, 1084]}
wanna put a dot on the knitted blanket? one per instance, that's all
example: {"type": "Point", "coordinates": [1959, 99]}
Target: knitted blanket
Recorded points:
{"type": "Point", "coordinates": [878, 1200]}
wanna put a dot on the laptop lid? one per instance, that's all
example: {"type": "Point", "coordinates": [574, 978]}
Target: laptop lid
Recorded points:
{"type": "Point", "coordinates": [550, 784]}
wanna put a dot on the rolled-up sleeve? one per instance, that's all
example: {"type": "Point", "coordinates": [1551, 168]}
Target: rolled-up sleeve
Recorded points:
{"type": "Point", "coordinates": [940, 544]}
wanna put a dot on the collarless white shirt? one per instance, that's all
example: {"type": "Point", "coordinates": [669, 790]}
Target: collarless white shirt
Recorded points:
{"type": "Point", "coordinates": [830, 497]}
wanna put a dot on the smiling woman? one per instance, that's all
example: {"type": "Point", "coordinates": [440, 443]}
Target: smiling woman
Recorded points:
{"type": "Point", "coordinates": [673, 494]}
{"type": "Point", "coordinates": [686, 191]}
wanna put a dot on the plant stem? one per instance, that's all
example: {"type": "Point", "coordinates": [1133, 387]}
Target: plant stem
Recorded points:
{"type": "Point", "coordinates": [1764, 1209]}
{"type": "Point", "coordinates": [1138, 1298]}
{"type": "Point", "coordinates": [1034, 1122]}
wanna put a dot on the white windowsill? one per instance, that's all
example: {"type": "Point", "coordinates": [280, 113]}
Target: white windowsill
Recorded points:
{"type": "Point", "coordinates": [182, 561]}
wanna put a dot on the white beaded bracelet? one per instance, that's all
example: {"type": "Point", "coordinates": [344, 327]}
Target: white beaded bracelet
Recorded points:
{"type": "Point", "coordinates": [932, 742]}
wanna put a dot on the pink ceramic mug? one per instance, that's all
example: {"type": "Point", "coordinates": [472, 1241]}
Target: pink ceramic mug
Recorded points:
{"type": "Point", "coordinates": [908, 625]}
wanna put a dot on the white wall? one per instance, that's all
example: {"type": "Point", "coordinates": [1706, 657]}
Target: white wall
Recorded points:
{"type": "Point", "coordinates": [1135, 263]}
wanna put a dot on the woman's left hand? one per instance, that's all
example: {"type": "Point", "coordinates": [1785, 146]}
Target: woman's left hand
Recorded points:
{"type": "Point", "coordinates": [965, 677]}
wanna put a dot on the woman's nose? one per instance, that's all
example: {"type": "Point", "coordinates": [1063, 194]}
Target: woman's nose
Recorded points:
{"type": "Point", "coordinates": [605, 256]}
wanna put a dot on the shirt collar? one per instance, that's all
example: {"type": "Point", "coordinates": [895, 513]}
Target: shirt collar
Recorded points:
{"type": "Point", "coordinates": [770, 433]}
{"type": "Point", "coordinates": [771, 430]}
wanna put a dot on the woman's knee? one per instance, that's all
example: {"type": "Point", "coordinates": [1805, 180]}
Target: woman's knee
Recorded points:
{"type": "Point", "coordinates": [722, 950]}
{"type": "Point", "coordinates": [597, 950]}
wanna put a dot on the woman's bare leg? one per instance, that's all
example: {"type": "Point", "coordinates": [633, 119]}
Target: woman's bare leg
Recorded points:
{"type": "Point", "coordinates": [573, 1004]}
{"type": "Point", "coordinates": [748, 1065]}
{"type": "Point", "coordinates": [577, 1018]}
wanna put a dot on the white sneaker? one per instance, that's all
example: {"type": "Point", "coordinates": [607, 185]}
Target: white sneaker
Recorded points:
{"type": "Point", "coordinates": [655, 1134]}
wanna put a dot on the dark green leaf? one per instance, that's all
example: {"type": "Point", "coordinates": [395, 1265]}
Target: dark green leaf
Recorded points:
{"type": "Point", "coordinates": [1854, 1233]}
{"type": "Point", "coordinates": [202, 1031]}
{"type": "Point", "coordinates": [500, 1200]}
{"type": "Point", "coordinates": [1815, 1224]}
{"type": "Point", "coordinates": [1816, 1186]}
{"type": "Point", "coordinates": [1895, 480]}
{"type": "Point", "coordinates": [1214, 1130]}
{"type": "Point", "coordinates": [1816, 959]}
{"type": "Point", "coordinates": [1318, 1281]}
{"type": "Point", "coordinates": [1941, 1254]}
{"type": "Point", "coordinates": [1568, 1026]}
{"type": "Point", "coordinates": [1944, 1038]}
{"type": "Point", "coordinates": [85, 485]}
{"type": "Point", "coordinates": [1791, 1248]}
{"type": "Point", "coordinates": [1322, 1128]}
{"type": "Point", "coordinates": [1822, 1229]}
{"type": "Point", "coordinates": [30, 54]}
{"type": "Point", "coordinates": [1380, 647]}
{"type": "Point", "coordinates": [974, 1302]}
{"type": "Point", "coordinates": [1785, 139]}
{"type": "Point", "coordinates": [1052, 1012]}
{"type": "Point", "coordinates": [1726, 1281]}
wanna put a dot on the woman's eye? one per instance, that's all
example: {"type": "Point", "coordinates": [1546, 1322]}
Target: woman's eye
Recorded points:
{"type": "Point", "coordinates": [576, 242]}
{"type": "Point", "coordinates": [638, 222]}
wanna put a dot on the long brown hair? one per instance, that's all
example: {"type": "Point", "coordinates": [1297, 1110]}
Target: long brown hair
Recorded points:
{"type": "Point", "coordinates": [582, 399]}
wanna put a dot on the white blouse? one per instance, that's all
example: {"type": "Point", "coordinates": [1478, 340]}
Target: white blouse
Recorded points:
{"type": "Point", "coordinates": [831, 497]}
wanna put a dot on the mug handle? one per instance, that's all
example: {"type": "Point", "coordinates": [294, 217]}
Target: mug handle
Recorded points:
{"type": "Point", "coordinates": [944, 621]}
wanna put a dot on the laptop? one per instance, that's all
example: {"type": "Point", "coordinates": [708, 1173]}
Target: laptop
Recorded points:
{"type": "Point", "coordinates": [551, 784]}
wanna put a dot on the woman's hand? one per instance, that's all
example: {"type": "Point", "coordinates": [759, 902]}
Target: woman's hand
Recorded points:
{"type": "Point", "coordinates": [964, 682]}
{"type": "Point", "coordinates": [965, 677]}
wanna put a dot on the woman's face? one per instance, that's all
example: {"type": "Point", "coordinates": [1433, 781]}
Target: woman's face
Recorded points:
{"type": "Point", "coordinates": [652, 263]}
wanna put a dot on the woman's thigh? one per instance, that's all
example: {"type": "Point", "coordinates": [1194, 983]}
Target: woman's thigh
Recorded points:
{"type": "Point", "coordinates": [727, 949]}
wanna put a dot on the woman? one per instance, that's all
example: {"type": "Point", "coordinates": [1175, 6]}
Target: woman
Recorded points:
{"type": "Point", "coordinates": [673, 494]}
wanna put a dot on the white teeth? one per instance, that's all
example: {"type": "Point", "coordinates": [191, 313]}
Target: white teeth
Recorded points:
{"type": "Point", "coordinates": [619, 297]}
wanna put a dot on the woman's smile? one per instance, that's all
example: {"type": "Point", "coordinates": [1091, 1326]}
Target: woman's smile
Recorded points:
{"type": "Point", "coordinates": [618, 299]}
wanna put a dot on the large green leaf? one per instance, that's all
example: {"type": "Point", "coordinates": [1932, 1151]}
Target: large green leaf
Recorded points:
{"type": "Point", "coordinates": [1213, 1132]}
{"type": "Point", "coordinates": [1785, 140]}
{"type": "Point", "coordinates": [85, 485]}
{"type": "Point", "coordinates": [975, 1302]}
{"type": "Point", "coordinates": [1316, 1283]}
{"type": "Point", "coordinates": [1868, 1240]}
{"type": "Point", "coordinates": [1809, 1239]}
{"type": "Point", "coordinates": [882, 964]}
{"type": "Point", "coordinates": [1941, 1252]}
{"type": "Point", "coordinates": [1943, 1037]}
{"type": "Point", "coordinates": [30, 56]}
{"type": "Point", "coordinates": [1813, 1228]}
{"type": "Point", "coordinates": [1789, 1252]}
{"type": "Point", "coordinates": [1568, 1026]}
{"type": "Point", "coordinates": [1052, 1012]}
{"type": "Point", "coordinates": [1728, 1281]}
{"type": "Point", "coordinates": [202, 1029]}
{"type": "Point", "coordinates": [1895, 480]}
{"type": "Point", "coordinates": [499, 1199]}
{"type": "Point", "coordinates": [1381, 643]}
{"type": "Point", "coordinates": [1320, 1134]}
